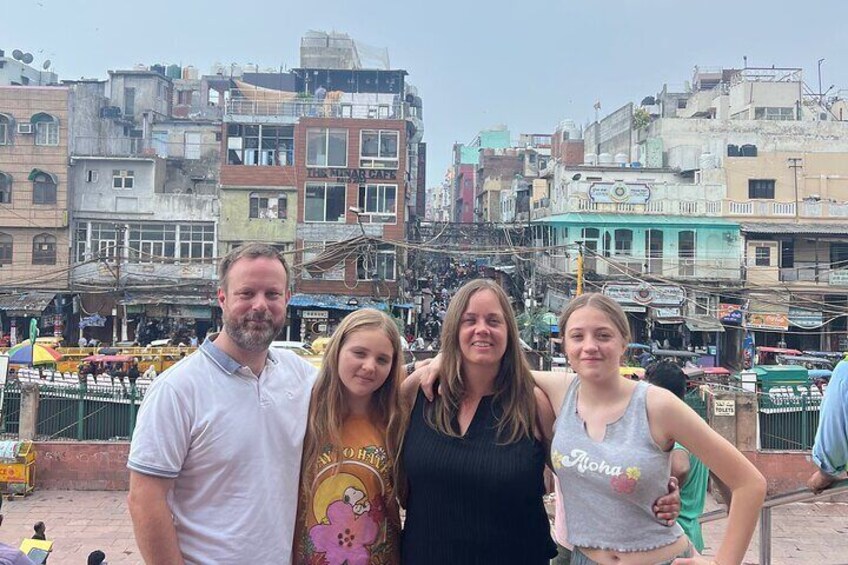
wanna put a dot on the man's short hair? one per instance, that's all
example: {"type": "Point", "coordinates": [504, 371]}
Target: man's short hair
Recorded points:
{"type": "Point", "coordinates": [250, 251]}
{"type": "Point", "coordinates": [669, 376]}
{"type": "Point", "coordinates": [96, 557]}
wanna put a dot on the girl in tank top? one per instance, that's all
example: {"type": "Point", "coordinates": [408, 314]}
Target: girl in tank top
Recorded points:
{"type": "Point", "coordinates": [611, 449]}
{"type": "Point", "coordinates": [347, 507]}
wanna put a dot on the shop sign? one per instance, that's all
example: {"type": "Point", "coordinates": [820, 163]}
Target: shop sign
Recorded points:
{"type": "Point", "coordinates": [191, 311]}
{"type": "Point", "coordinates": [767, 321]}
{"type": "Point", "coordinates": [731, 314]}
{"type": "Point", "coordinates": [352, 175]}
{"type": "Point", "coordinates": [838, 277]}
{"type": "Point", "coordinates": [628, 308]}
{"type": "Point", "coordinates": [13, 473]}
{"type": "Point", "coordinates": [620, 192]}
{"type": "Point", "coordinates": [95, 320]}
{"type": "Point", "coordinates": [645, 294]}
{"type": "Point", "coordinates": [807, 319]}
{"type": "Point", "coordinates": [661, 313]}
{"type": "Point", "coordinates": [314, 314]}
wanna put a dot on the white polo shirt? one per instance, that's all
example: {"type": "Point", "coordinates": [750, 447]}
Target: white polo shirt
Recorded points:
{"type": "Point", "coordinates": [233, 444]}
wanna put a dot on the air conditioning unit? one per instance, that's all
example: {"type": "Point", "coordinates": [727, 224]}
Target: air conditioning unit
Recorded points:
{"type": "Point", "coordinates": [25, 128]}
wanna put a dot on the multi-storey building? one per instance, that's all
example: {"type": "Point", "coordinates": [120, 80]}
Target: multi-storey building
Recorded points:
{"type": "Point", "coordinates": [144, 211]}
{"type": "Point", "coordinates": [320, 167]}
{"type": "Point", "coordinates": [34, 134]}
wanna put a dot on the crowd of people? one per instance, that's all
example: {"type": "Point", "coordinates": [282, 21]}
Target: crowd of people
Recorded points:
{"type": "Point", "coordinates": [243, 452]}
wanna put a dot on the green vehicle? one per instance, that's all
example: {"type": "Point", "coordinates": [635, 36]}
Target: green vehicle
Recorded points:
{"type": "Point", "coordinates": [771, 376]}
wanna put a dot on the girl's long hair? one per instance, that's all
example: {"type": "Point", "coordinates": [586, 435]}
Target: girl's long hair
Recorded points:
{"type": "Point", "coordinates": [513, 386]}
{"type": "Point", "coordinates": [328, 407]}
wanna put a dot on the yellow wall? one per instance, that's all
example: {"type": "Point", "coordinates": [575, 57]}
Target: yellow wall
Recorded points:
{"type": "Point", "coordinates": [822, 174]}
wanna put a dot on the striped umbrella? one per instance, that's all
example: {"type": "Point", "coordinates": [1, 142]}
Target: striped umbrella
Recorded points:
{"type": "Point", "coordinates": [23, 354]}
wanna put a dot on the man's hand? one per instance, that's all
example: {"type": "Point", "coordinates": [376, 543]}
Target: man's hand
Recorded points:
{"type": "Point", "coordinates": [667, 508]}
{"type": "Point", "coordinates": [819, 481]}
{"type": "Point", "coordinates": [429, 377]}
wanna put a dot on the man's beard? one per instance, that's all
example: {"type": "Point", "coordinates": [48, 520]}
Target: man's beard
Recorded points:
{"type": "Point", "coordinates": [250, 337]}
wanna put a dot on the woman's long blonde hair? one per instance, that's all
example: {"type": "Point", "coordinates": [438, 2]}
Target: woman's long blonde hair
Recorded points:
{"type": "Point", "coordinates": [513, 386]}
{"type": "Point", "coordinates": [328, 407]}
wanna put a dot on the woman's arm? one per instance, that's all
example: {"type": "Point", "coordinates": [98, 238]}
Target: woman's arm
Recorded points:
{"type": "Point", "coordinates": [554, 385]}
{"type": "Point", "coordinates": [672, 420]}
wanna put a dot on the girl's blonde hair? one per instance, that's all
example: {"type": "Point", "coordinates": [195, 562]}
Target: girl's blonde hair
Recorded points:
{"type": "Point", "coordinates": [600, 302]}
{"type": "Point", "coordinates": [513, 387]}
{"type": "Point", "coordinates": [328, 407]}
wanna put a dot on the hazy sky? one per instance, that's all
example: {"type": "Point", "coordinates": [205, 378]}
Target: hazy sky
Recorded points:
{"type": "Point", "coordinates": [476, 64]}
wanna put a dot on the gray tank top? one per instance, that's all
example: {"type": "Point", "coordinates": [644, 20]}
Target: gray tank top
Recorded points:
{"type": "Point", "coordinates": [609, 487]}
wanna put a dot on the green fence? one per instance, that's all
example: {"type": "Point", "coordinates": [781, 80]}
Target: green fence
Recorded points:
{"type": "Point", "coordinates": [99, 412]}
{"type": "Point", "coordinates": [696, 403]}
{"type": "Point", "coordinates": [788, 422]}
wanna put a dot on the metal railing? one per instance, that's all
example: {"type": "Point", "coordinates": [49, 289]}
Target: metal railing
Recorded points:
{"type": "Point", "coordinates": [782, 499]}
{"type": "Point", "coordinates": [308, 108]}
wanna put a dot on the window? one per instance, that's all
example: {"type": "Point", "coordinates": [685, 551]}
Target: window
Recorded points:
{"type": "Point", "coordinates": [5, 188]}
{"type": "Point", "coordinates": [771, 113]}
{"type": "Point", "coordinates": [184, 97]}
{"type": "Point", "coordinates": [44, 249]}
{"type": "Point", "coordinates": [46, 129]}
{"type": "Point", "coordinates": [260, 145]}
{"type": "Point", "coordinates": [197, 241]}
{"type": "Point", "coordinates": [379, 201]}
{"type": "Point", "coordinates": [91, 175]}
{"type": "Point", "coordinates": [325, 202]}
{"type": "Point", "coordinates": [761, 188]}
{"type": "Point", "coordinates": [762, 256]}
{"type": "Point", "coordinates": [311, 250]}
{"type": "Point", "coordinates": [43, 189]}
{"type": "Point", "coordinates": [377, 263]}
{"type": "Point", "coordinates": [268, 206]}
{"type": "Point", "coordinates": [686, 253]}
{"type": "Point", "coordinates": [5, 249]}
{"type": "Point", "coordinates": [5, 128]}
{"type": "Point", "coordinates": [624, 242]}
{"type": "Point", "coordinates": [152, 243]}
{"type": "Point", "coordinates": [123, 180]}
{"type": "Point", "coordinates": [129, 101]}
{"type": "Point", "coordinates": [787, 254]}
{"type": "Point", "coordinates": [379, 149]}
{"type": "Point", "coordinates": [326, 148]}
{"type": "Point", "coordinates": [103, 243]}
{"type": "Point", "coordinates": [654, 251]}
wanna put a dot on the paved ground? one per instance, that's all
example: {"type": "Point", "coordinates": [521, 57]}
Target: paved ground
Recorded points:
{"type": "Point", "coordinates": [80, 522]}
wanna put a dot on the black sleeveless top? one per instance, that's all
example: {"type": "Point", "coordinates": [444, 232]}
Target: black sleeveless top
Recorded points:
{"type": "Point", "coordinates": [473, 500]}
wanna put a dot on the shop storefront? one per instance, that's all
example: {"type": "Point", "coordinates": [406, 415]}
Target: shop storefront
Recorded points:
{"type": "Point", "coordinates": [17, 309]}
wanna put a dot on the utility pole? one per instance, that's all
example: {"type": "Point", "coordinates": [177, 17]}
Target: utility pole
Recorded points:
{"type": "Point", "coordinates": [119, 259]}
{"type": "Point", "coordinates": [579, 268]}
{"type": "Point", "coordinates": [795, 164]}
{"type": "Point", "coordinates": [821, 94]}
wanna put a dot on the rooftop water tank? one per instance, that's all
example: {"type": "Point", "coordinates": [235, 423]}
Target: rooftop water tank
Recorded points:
{"type": "Point", "coordinates": [590, 159]}
{"type": "Point", "coordinates": [621, 159]}
{"type": "Point", "coordinates": [748, 150]}
{"type": "Point", "coordinates": [605, 159]}
{"type": "Point", "coordinates": [733, 150]}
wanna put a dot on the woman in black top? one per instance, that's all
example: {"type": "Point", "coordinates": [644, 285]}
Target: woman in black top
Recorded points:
{"type": "Point", "coordinates": [474, 457]}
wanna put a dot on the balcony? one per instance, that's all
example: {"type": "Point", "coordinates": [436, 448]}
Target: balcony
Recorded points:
{"type": "Point", "coordinates": [110, 147]}
{"type": "Point", "coordinates": [816, 273]}
{"type": "Point", "coordinates": [244, 110]}
{"type": "Point", "coordinates": [671, 267]}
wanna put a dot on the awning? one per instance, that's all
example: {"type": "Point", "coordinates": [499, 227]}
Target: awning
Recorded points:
{"type": "Point", "coordinates": [704, 324]}
{"type": "Point", "coordinates": [809, 228]}
{"type": "Point", "coordinates": [35, 172]}
{"type": "Point", "coordinates": [26, 303]}
{"type": "Point", "coordinates": [42, 117]}
{"type": "Point", "coordinates": [200, 299]}
{"type": "Point", "coordinates": [340, 302]}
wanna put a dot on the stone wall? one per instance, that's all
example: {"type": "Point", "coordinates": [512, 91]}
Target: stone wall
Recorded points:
{"type": "Point", "coordinates": [81, 465]}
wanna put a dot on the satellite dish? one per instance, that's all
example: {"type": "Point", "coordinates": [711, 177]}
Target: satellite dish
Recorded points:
{"type": "Point", "coordinates": [27, 58]}
{"type": "Point", "coordinates": [17, 54]}
{"type": "Point", "coordinates": [46, 65]}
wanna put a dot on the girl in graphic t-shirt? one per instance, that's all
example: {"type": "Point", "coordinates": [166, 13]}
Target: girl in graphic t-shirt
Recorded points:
{"type": "Point", "coordinates": [611, 447]}
{"type": "Point", "coordinates": [348, 511]}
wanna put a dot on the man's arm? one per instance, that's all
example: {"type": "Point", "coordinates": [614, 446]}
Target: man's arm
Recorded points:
{"type": "Point", "coordinates": [153, 523]}
{"type": "Point", "coordinates": [830, 450]}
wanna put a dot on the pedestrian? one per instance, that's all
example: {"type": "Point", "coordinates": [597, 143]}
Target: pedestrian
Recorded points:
{"type": "Point", "coordinates": [612, 444]}
{"type": "Point", "coordinates": [82, 342]}
{"type": "Point", "coordinates": [690, 471]}
{"type": "Point", "coordinates": [40, 531]}
{"type": "Point", "coordinates": [133, 373]}
{"type": "Point", "coordinates": [215, 457]}
{"type": "Point", "coordinates": [97, 557]}
{"type": "Point", "coordinates": [830, 449]}
{"type": "Point", "coordinates": [347, 487]}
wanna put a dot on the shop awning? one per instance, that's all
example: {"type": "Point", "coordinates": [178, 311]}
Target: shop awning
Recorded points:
{"type": "Point", "coordinates": [26, 303]}
{"type": "Point", "coordinates": [340, 302]}
{"type": "Point", "coordinates": [704, 324]}
{"type": "Point", "coordinates": [200, 299]}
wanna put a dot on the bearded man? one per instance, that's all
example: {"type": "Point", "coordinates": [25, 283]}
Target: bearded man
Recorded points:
{"type": "Point", "coordinates": [215, 457]}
